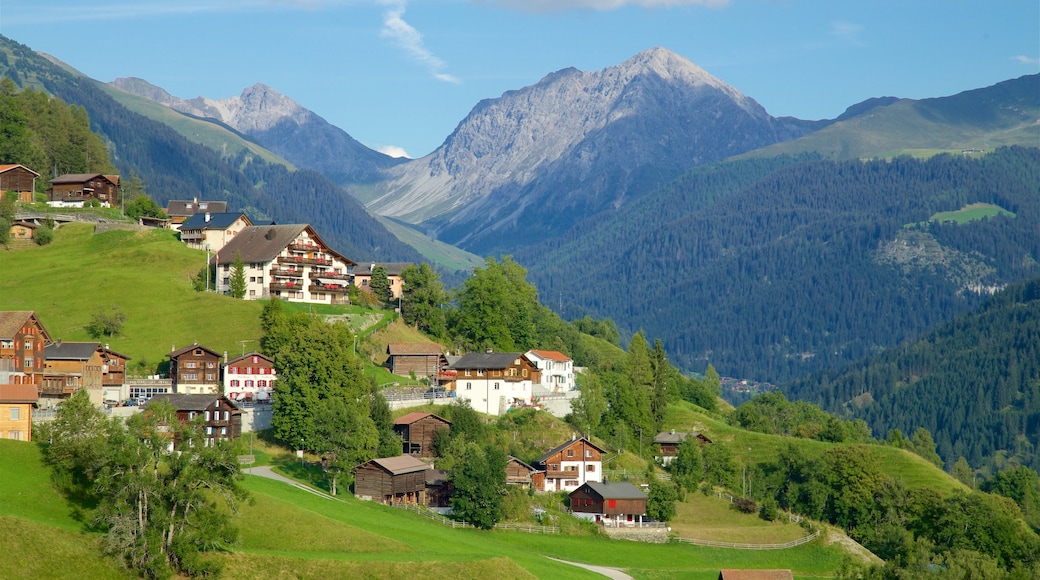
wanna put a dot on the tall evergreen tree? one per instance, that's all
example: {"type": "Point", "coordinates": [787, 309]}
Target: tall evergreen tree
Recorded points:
{"type": "Point", "coordinates": [237, 286]}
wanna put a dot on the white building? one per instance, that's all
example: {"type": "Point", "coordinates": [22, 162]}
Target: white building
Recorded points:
{"type": "Point", "coordinates": [556, 369]}
{"type": "Point", "coordinates": [250, 377]}
{"type": "Point", "coordinates": [494, 382]}
{"type": "Point", "coordinates": [285, 261]}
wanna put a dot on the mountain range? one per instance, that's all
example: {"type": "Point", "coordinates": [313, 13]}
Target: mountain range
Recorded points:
{"type": "Point", "coordinates": [649, 192]}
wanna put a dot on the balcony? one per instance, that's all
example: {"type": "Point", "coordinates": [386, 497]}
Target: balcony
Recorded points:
{"type": "Point", "coordinates": [330, 275]}
{"type": "Point", "coordinates": [291, 286]}
{"type": "Point", "coordinates": [286, 273]}
{"type": "Point", "coordinates": [331, 288]}
{"type": "Point", "coordinates": [305, 247]}
{"type": "Point", "coordinates": [300, 260]}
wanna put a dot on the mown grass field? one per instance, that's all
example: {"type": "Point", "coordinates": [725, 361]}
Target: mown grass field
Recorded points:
{"type": "Point", "coordinates": [971, 212]}
{"type": "Point", "coordinates": [289, 533]}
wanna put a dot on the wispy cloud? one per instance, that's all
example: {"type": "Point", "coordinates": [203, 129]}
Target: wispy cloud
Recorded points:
{"type": "Point", "coordinates": [393, 151]}
{"type": "Point", "coordinates": [410, 40]}
{"type": "Point", "coordinates": [600, 5]}
{"type": "Point", "coordinates": [848, 33]}
{"type": "Point", "coordinates": [1027, 60]}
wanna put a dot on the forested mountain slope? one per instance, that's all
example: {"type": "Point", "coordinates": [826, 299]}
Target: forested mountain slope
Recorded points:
{"type": "Point", "coordinates": [974, 383]}
{"type": "Point", "coordinates": [774, 268]}
{"type": "Point", "coordinates": [174, 168]}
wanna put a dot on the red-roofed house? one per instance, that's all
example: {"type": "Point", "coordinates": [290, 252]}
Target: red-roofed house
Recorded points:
{"type": "Point", "coordinates": [557, 370]}
{"type": "Point", "coordinates": [418, 430]}
{"type": "Point", "coordinates": [16, 407]}
{"type": "Point", "coordinates": [19, 179]}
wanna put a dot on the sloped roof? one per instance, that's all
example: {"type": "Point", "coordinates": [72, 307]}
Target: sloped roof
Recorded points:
{"type": "Point", "coordinates": [217, 221]}
{"type": "Point", "coordinates": [107, 351]}
{"type": "Point", "coordinates": [11, 321]}
{"type": "Point", "coordinates": [565, 445]}
{"type": "Point", "coordinates": [392, 268]}
{"type": "Point", "coordinates": [261, 244]}
{"type": "Point", "coordinates": [619, 490]}
{"type": "Point", "coordinates": [524, 465]}
{"type": "Point", "coordinates": [186, 402]}
{"type": "Point", "coordinates": [21, 393]}
{"type": "Point", "coordinates": [191, 207]}
{"type": "Point", "coordinates": [398, 348]}
{"type": "Point", "coordinates": [486, 360]}
{"type": "Point", "coordinates": [178, 352]}
{"type": "Point", "coordinates": [671, 437]}
{"type": "Point", "coordinates": [415, 416]}
{"type": "Point", "coordinates": [756, 575]}
{"type": "Point", "coordinates": [82, 178]}
{"type": "Point", "coordinates": [7, 167]}
{"type": "Point", "coordinates": [552, 355]}
{"type": "Point", "coordinates": [398, 465]}
{"type": "Point", "coordinates": [70, 350]}
{"type": "Point", "coordinates": [249, 355]}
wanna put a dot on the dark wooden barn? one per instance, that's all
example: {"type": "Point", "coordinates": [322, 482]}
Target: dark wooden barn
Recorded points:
{"type": "Point", "coordinates": [390, 480]}
{"type": "Point", "coordinates": [418, 430]}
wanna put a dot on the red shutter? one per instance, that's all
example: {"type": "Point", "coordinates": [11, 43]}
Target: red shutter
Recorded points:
{"type": "Point", "coordinates": [611, 503]}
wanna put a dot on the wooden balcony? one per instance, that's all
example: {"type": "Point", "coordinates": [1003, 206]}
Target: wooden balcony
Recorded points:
{"type": "Point", "coordinates": [562, 474]}
{"type": "Point", "coordinates": [291, 286]}
{"type": "Point", "coordinates": [286, 273]}
{"type": "Point", "coordinates": [331, 288]}
{"type": "Point", "coordinates": [329, 275]}
{"type": "Point", "coordinates": [299, 260]}
{"type": "Point", "coordinates": [305, 247]}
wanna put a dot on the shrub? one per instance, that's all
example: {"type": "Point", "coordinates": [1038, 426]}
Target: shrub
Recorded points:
{"type": "Point", "coordinates": [745, 505]}
{"type": "Point", "coordinates": [768, 510]}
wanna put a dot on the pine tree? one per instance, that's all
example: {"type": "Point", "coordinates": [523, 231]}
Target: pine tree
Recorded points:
{"type": "Point", "coordinates": [237, 287]}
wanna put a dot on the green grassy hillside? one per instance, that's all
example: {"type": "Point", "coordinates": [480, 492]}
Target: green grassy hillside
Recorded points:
{"type": "Point", "coordinates": [981, 119]}
{"type": "Point", "coordinates": [147, 275]}
{"type": "Point", "coordinates": [206, 133]}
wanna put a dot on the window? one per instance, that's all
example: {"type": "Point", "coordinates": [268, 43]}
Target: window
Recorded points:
{"type": "Point", "coordinates": [16, 435]}
{"type": "Point", "coordinates": [15, 413]}
{"type": "Point", "coordinates": [249, 384]}
{"type": "Point", "coordinates": [223, 430]}
{"type": "Point", "coordinates": [235, 383]}
{"type": "Point", "coordinates": [249, 370]}
{"type": "Point", "coordinates": [211, 376]}
{"type": "Point", "coordinates": [211, 365]}
{"type": "Point", "coordinates": [192, 415]}
{"type": "Point", "coordinates": [190, 376]}
{"type": "Point", "coordinates": [207, 419]}
{"type": "Point", "coordinates": [496, 386]}
{"type": "Point", "coordinates": [612, 503]}
{"type": "Point", "coordinates": [571, 482]}
{"type": "Point", "coordinates": [261, 383]}
{"type": "Point", "coordinates": [480, 372]}
{"type": "Point", "coordinates": [570, 453]}
{"type": "Point", "coordinates": [465, 373]}
{"type": "Point", "coordinates": [252, 279]}
{"type": "Point", "coordinates": [252, 292]}
{"type": "Point", "coordinates": [525, 372]}
{"type": "Point", "coordinates": [590, 468]}
{"type": "Point", "coordinates": [588, 453]}
{"type": "Point", "coordinates": [28, 362]}
{"type": "Point", "coordinates": [28, 344]}
{"type": "Point", "coordinates": [256, 359]}
{"type": "Point", "coordinates": [7, 344]}
{"type": "Point", "coordinates": [190, 364]}
{"type": "Point", "coordinates": [469, 386]}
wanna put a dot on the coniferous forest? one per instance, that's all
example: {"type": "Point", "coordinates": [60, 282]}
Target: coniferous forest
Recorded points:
{"type": "Point", "coordinates": [774, 268]}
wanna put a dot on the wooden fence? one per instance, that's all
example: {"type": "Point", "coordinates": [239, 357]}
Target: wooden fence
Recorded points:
{"type": "Point", "coordinates": [711, 544]}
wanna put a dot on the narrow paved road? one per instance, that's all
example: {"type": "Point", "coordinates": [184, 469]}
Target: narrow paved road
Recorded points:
{"type": "Point", "coordinates": [613, 573]}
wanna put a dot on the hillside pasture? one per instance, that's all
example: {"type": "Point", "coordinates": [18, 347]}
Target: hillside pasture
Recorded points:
{"type": "Point", "coordinates": [971, 212]}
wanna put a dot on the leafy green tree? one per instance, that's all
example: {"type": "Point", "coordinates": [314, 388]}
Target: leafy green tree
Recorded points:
{"type": "Point", "coordinates": [75, 444]}
{"type": "Point", "coordinates": [720, 468]}
{"type": "Point", "coordinates": [8, 201]}
{"type": "Point", "coordinates": [380, 285]}
{"type": "Point", "coordinates": [479, 479]}
{"type": "Point", "coordinates": [316, 366]}
{"type": "Point", "coordinates": [237, 286]}
{"type": "Point", "coordinates": [106, 321]}
{"type": "Point", "coordinates": [924, 445]}
{"type": "Point", "coordinates": [587, 411]}
{"type": "Point", "coordinates": [390, 443]}
{"type": "Point", "coordinates": [143, 206]}
{"type": "Point", "coordinates": [345, 435]}
{"type": "Point", "coordinates": [661, 498]}
{"type": "Point", "coordinates": [963, 472]}
{"type": "Point", "coordinates": [423, 299]}
{"type": "Point", "coordinates": [5, 231]}
{"type": "Point", "coordinates": [688, 466]}
{"type": "Point", "coordinates": [496, 308]}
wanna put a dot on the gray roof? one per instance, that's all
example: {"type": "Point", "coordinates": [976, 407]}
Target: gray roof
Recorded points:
{"type": "Point", "coordinates": [620, 490]}
{"type": "Point", "coordinates": [400, 464]}
{"type": "Point", "coordinates": [486, 360]}
{"type": "Point", "coordinates": [70, 350]}
{"type": "Point", "coordinates": [185, 402]}
{"type": "Point", "coordinates": [671, 437]}
{"type": "Point", "coordinates": [217, 221]}
{"type": "Point", "coordinates": [262, 244]}
{"type": "Point", "coordinates": [81, 178]}
{"type": "Point", "coordinates": [191, 207]}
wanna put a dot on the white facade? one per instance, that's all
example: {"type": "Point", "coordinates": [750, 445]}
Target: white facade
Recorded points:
{"type": "Point", "coordinates": [493, 396]}
{"type": "Point", "coordinates": [250, 377]}
{"type": "Point", "coordinates": [557, 370]}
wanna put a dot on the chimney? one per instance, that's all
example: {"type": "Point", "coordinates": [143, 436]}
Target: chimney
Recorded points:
{"type": "Point", "coordinates": [106, 346]}
{"type": "Point", "coordinates": [673, 431]}
{"type": "Point", "coordinates": [173, 347]}
{"type": "Point", "coordinates": [574, 436]}
{"type": "Point", "coordinates": [225, 358]}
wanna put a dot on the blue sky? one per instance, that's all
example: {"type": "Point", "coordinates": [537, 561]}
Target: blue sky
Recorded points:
{"type": "Point", "coordinates": [401, 74]}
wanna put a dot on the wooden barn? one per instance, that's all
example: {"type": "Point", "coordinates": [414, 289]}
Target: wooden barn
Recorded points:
{"type": "Point", "coordinates": [418, 429]}
{"type": "Point", "coordinates": [391, 480]}
{"type": "Point", "coordinates": [610, 504]}
{"type": "Point", "coordinates": [668, 443]}
{"type": "Point", "coordinates": [522, 474]}
{"type": "Point", "coordinates": [415, 358]}
{"type": "Point", "coordinates": [19, 179]}
{"type": "Point", "coordinates": [73, 189]}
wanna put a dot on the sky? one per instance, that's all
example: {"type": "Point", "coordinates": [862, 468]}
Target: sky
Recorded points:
{"type": "Point", "coordinates": [400, 75]}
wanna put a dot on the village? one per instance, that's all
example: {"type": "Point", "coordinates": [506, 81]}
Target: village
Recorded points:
{"type": "Point", "coordinates": [234, 394]}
